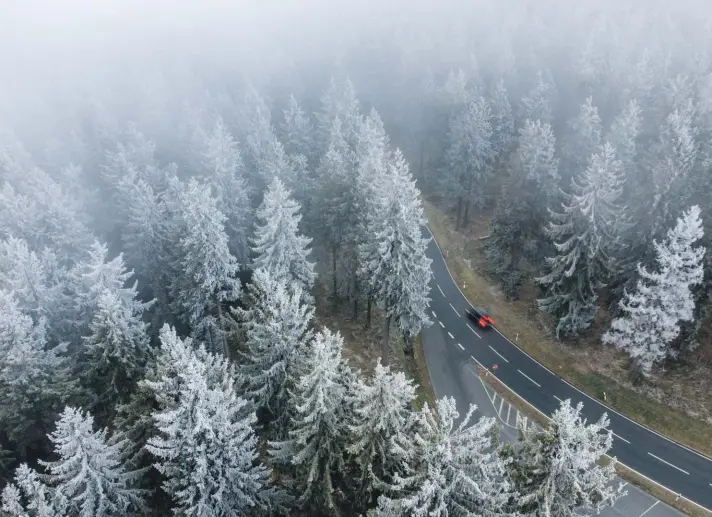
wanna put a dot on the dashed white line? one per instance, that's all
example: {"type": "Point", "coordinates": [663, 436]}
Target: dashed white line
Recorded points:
{"type": "Point", "coordinates": [500, 355]}
{"type": "Point", "coordinates": [557, 398]}
{"type": "Point", "coordinates": [668, 463]}
{"type": "Point", "coordinates": [441, 291]}
{"type": "Point", "coordinates": [441, 324]}
{"type": "Point", "coordinates": [646, 511]}
{"type": "Point", "coordinates": [620, 437]}
{"type": "Point", "coordinates": [532, 380]}
{"type": "Point", "coordinates": [434, 315]}
{"type": "Point", "coordinates": [451, 336]}
{"type": "Point", "coordinates": [473, 330]}
{"type": "Point", "coordinates": [461, 347]}
{"type": "Point", "coordinates": [454, 309]}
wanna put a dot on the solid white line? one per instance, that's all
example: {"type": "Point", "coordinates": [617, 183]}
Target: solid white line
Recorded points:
{"type": "Point", "coordinates": [434, 315]}
{"type": "Point", "coordinates": [441, 324]}
{"type": "Point", "coordinates": [670, 464]}
{"type": "Point", "coordinates": [451, 336]}
{"type": "Point", "coordinates": [646, 511]}
{"type": "Point", "coordinates": [509, 410]}
{"type": "Point", "coordinates": [620, 437]}
{"type": "Point", "coordinates": [557, 398]}
{"type": "Point", "coordinates": [441, 291]}
{"type": "Point", "coordinates": [525, 375]}
{"type": "Point", "coordinates": [475, 360]}
{"type": "Point", "coordinates": [495, 351]}
{"type": "Point", "coordinates": [453, 308]}
{"type": "Point", "coordinates": [501, 403]}
{"type": "Point", "coordinates": [473, 330]}
{"type": "Point", "coordinates": [461, 347]}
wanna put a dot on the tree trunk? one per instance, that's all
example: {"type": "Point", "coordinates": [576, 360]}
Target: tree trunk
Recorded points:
{"type": "Point", "coordinates": [408, 344]}
{"type": "Point", "coordinates": [368, 313]}
{"type": "Point", "coordinates": [459, 213]}
{"type": "Point", "coordinates": [355, 295]}
{"type": "Point", "coordinates": [333, 273]}
{"type": "Point", "coordinates": [467, 203]}
{"type": "Point", "coordinates": [386, 345]}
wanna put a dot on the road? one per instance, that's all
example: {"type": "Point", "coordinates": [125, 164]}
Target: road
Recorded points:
{"type": "Point", "coordinates": [452, 342]}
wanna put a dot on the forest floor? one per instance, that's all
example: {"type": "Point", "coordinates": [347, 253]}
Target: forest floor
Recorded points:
{"type": "Point", "coordinates": [362, 345]}
{"type": "Point", "coordinates": [676, 404]}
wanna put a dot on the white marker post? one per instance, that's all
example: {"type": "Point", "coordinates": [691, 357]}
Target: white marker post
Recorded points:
{"type": "Point", "coordinates": [516, 338]}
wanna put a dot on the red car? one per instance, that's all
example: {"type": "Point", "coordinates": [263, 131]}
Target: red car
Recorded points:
{"type": "Point", "coordinates": [480, 317]}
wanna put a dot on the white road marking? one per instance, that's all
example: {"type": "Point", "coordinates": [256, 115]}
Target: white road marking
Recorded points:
{"type": "Point", "coordinates": [435, 315]}
{"type": "Point", "coordinates": [620, 437]}
{"type": "Point", "coordinates": [441, 324]}
{"type": "Point", "coordinates": [557, 398]}
{"type": "Point", "coordinates": [441, 291]}
{"type": "Point", "coordinates": [500, 355]}
{"type": "Point", "coordinates": [453, 308]}
{"type": "Point", "coordinates": [509, 410]}
{"type": "Point", "coordinates": [501, 403]}
{"type": "Point", "coordinates": [532, 380]}
{"type": "Point", "coordinates": [451, 336]}
{"type": "Point", "coordinates": [646, 511]}
{"type": "Point", "coordinates": [461, 347]}
{"type": "Point", "coordinates": [668, 463]}
{"type": "Point", "coordinates": [473, 330]}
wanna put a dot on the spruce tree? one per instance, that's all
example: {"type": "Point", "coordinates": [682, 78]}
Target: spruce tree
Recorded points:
{"type": "Point", "coordinates": [502, 120]}
{"type": "Point", "coordinates": [538, 103]}
{"type": "Point", "coordinates": [297, 131]}
{"type": "Point", "coordinates": [663, 298]}
{"type": "Point", "coordinates": [585, 137]}
{"type": "Point", "coordinates": [89, 474]}
{"type": "Point", "coordinates": [29, 496]}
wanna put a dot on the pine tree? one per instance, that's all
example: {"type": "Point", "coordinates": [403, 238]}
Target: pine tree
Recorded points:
{"type": "Point", "coordinates": [538, 103]}
{"type": "Point", "coordinates": [394, 262]}
{"type": "Point", "coordinates": [379, 434]}
{"type": "Point", "coordinates": [339, 100]}
{"type": "Point", "coordinates": [89, 473]}
{"type": "Point", "coordinates": [28, 496]}
{"type": "Point", "coordinates": [460, 471]}
{"type": "Point", "coordinates": [624, 134]}
{"type": "Point", "coordinates": [316, 444]}
{"type": "Point", "coordinates": [207, 449]}
{"type": "Point", "coordinates": [35, 379]}
{"type": "Point", "coordinates": [502, 120]}
{"type": "Point", "coordinates": [117, 348]}
{"type": "Point", "coordinates": [585, 137]}
{"type": "Point", "coordinates": [585, 235]}
{"type": "Point", "coordinates": [469, 156]}
{"type": "Point", "coordinates": [208, 268]}
{"type": "Point", "coordinates": [662, 299]}
{"type": "Point", "coordinates": [278, 246]}
{"type": "Point", "coordinates": [556, 472]}
{"type": "Point", "coordinates": [223, 168]}
{"type": "Point", "coordinates": [276, 325]}
{"type": "Point", "coordinates": [297, 131]}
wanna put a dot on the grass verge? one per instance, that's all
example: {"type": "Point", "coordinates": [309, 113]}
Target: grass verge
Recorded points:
{"type": "Point", "coordinates": [514, 319]}
{"type": "Point", "coordinates": [651, 487]}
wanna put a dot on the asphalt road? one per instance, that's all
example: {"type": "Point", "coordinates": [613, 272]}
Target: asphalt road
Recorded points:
{"type": "Point", "coordinates": [453, 341]}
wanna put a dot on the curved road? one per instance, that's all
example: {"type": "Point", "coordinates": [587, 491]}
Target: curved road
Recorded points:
{"type": "Point", "coordinates": [680, 469]}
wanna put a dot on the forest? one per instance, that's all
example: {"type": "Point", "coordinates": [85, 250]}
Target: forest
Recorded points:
{"type": "Point", "coordinates": [180, 184]}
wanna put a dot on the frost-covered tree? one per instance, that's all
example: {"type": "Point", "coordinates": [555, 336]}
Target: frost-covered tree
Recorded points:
{"type": "Point", "coordinates": [586, 237]}
{"type": "Point", "coordinates": [663, 298]}
{"type": "Point", "coordinates": [460, 471]}
{"type": "Point", "coordinates": [35, 379]}
{"type": "Point", "coordinates": [339, 100]}
{"type": "Point", "coordinates": [297, 131]}
{"type": "Point", "coordinates": [276, 325]}
{"type": "Point", "coordinates": [279, 248]}
{"type": "Point", "coordinates": [89, 474]}
{"type": "Point", "coordinates": [536, 159]}
{"type": "Point", "coordinates": [316, 444]}
{"type": "Point", "coordinates": [223, 168]}
{"type": "Point", "coordinates": [624, 134]}
{"type": "Point", "coordinates": [502, 121]}
{"type": "Point", "coordinates": [538, 103]}
{"type": "Point", "coordinates": [556, 472]}
{"type": "Point", "coordinates": [394, 262]}
{"type": "Point", "coordinates": [380, 433]}
{"type": "Point", "coordinates": [117, 347]}
{"type": "Point", "coordinates": [29, 496]}
{"type": "Point", "coordinates": [468, 156]}
{"type": "Point", "coordinates": [207, 449]}
{"type": "Point", "coordinates": [585, 137]}
{"type": "Point", "coordinates": [208, 269]}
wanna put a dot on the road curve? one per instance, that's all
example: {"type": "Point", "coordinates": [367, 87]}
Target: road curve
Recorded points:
{"type": "Point", "coordinates": [680, 469]}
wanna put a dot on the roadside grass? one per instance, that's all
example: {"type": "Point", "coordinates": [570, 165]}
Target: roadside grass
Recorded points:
{"type": "Point", "coordinates": [521, 323]}
{"type": "Point", "coordinates": [658, 491]}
